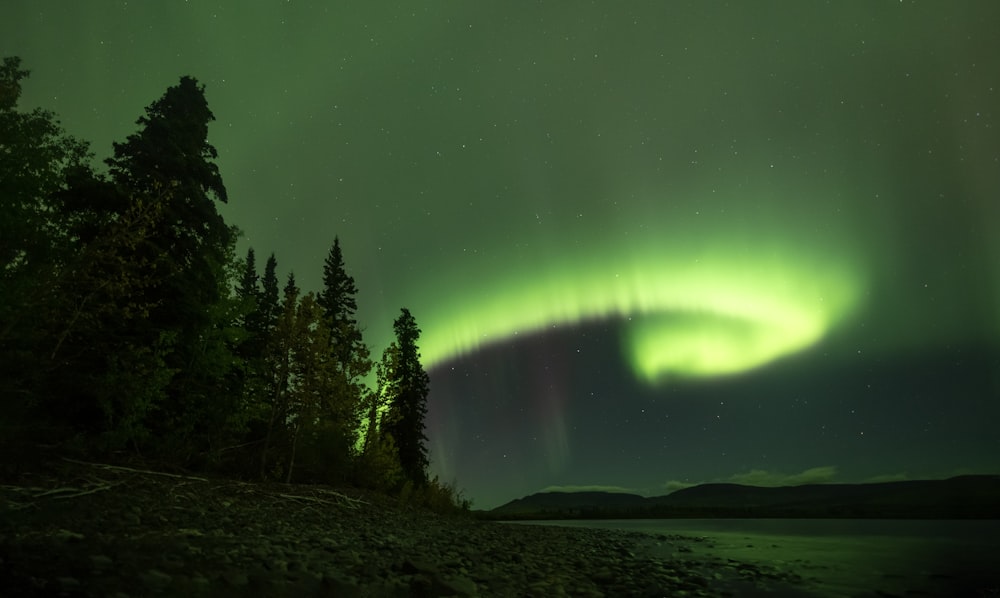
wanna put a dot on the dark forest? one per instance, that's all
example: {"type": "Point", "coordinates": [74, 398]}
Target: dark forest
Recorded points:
{"type": "Point", "coordinates": [132, 330]}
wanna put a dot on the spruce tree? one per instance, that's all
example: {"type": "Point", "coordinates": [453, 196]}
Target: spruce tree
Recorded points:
{"type": "Point", "coordinates": [279, 365]}
{"type": "Point", "coordinates": [169, 160]}
{"type": "Point", "coordinates": [249, 296]}
{"type": "Point", "coordinates": [269, 308]}
{"type": "Point", "coordinates": [171, 152]}
{"type": "Point", "coordinates": [249, 287]}
{"type": "Point", "coordinates": [270, 370]}
{"type": "Point", "coordinates": [338, 296]}
{"type": "Point", "coordinates": [339, 305]}
{"type": "Point", "coordinates": [351, 358]}
{"type": "Point", "coordinates": [410, 386]}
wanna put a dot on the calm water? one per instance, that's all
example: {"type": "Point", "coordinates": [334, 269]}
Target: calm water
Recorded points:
{"type": "Point", "coordinates": [846, 557]}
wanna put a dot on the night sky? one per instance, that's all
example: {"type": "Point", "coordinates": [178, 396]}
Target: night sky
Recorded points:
{"type": "Point", "coordinates": [649, 243]}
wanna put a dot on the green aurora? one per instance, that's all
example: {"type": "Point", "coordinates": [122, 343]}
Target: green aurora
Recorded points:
{"type": "Point", "coordinates": [715, 306]}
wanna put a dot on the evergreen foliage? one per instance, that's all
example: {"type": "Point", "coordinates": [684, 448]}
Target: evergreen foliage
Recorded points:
{"type": "Point", "coordinates": [408, 386]}
{"type": "Point", "coordinates": [128, 323]}
{"type": "Point", "coordinates": [36, 157]}
{"type": "Point", "coordinates": [170, 159]}
{"type": "Point", "coordinates": [248, 290]}
{"type": "Point", "coordinates": [351, 359]}
{"type": "Point", "coordinates": [269, 296]}
{"type": "Point", "coordinates": [338, 297]}
{"type": "Point", "coordinates": [171, 151]}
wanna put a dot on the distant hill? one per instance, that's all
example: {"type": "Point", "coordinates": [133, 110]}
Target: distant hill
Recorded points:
{"type": "Point", "coordinates": [963, 497]}
{"type": "Point", "coordinates": [567, 501]}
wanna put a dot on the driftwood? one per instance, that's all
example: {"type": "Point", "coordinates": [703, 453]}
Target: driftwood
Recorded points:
{"type": "Point", "coordinates": [314, 495]}
{"type": "Point", "coordinates": [33, 492]}
{"type": "Point", "coordinates": [132, 470]}
{"type": "Point", "coordinates": [342, 498]}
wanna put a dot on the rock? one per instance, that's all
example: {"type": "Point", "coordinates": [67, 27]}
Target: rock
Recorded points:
{"type": "Point", "coordinates": [100, 561]}
{"type": "Point", "coordinates": [156, 580]}
{"type": "Point", "coordinates": [455, 586]}
{"type": "Point", "coordinates": [602, 576]}
{"type": "Point", "coordinates": [68, 536]}
{"type": "Point", "coordinates": [418, 565]}
{"type": "Point", "coordinates": [279, 565]}
{"type": "Point", "coordinates": [420, 585]}
{"type": "Point", "coordinates": [235, 578]}
{"type": "Point", "coordinates": [351, 557]}
{"type": "Point", "coordinates": [337, 586]}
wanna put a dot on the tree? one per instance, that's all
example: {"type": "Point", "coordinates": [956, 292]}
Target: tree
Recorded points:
{"type": "Point", "coordinates": [171, 151]}
{"type": "Point", "coordinates": [409, 386]}
{"type": "Point", "coordinates": [323, 423]}
{"type": "Point", "coordinates": [106, 368]}
{"type": "Point", "coordinates": [248, 288]}
{"type": "Point", "coordinates": [248, 296]}
{"type": "Point", "coordinates": [338, 296]}
{"type": "Point", "coordinates": [351, 358]}
{"type": "Point", "coordinates": [127, 280]}
{"type": "Point", "coordinates": [378, 463]}
{"type": "Point", "coordinates": [306, 354]}
{"type": "Point", "coordinates": [377, 401]}
{"type": "Point", "coordinates": [269, 308]}
{"type": "Point", "coordinates": [204, 412]}
{"type": "Point", "coordinates": [339, 303]}
{"type": "Point", "coordinates": [192, 272]}
{"type": "Point", "coordinates": [76, 275]}
{"type": "Point", "coordinates": [267, 361]}
{"type": "Point", "coordinates": [279, 359]}
{"type": "Point", "coordinates": [36, 158]}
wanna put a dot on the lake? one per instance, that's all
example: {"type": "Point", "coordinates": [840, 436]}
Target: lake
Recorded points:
{"type": "Point", "coordinates": [844, 557]}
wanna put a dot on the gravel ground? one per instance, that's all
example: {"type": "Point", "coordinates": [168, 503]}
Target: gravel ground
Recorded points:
{"type": "Point", "coordinates": [83, 529]}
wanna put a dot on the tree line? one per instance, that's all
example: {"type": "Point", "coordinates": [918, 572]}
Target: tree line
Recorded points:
{"type": "Point", "coordinates": [128, 324]}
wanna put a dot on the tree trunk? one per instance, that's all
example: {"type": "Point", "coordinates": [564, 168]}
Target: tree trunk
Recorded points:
{"type": "Point", "coordinates": [267, 443]}
{"type": "Point", "coordinates": [291, 458]}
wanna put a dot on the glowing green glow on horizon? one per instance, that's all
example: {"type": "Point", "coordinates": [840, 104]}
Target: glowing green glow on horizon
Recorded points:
{"type": "Point", "coordinates": [723, 309]}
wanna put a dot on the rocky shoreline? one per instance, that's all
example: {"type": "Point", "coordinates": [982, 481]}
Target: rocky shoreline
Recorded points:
{"type": "Point", "coordinates": [86, 529]}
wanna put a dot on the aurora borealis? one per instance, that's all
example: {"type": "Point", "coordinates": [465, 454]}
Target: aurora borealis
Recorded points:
{"type": "Point", "coordinates": [697, 315]}
{"type": "Point", "coordinates": [648, 244]}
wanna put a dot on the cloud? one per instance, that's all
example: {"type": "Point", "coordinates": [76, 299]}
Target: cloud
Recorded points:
{"type": "Point", "coordinates": [674, 485]}
{"type": "Point", "coordinates": [825, 474]}
{"type": "Point", "coordinates": [761, 477]}
{"type": "Point", "coordinates": [970, 471]}
{"type": "Point", "coordinates": [592, 488]}
{"type": "Point", "coordinates": [887, 477]}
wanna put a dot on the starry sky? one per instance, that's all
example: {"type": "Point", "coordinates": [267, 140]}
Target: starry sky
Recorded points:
{"type": "Point", "coordinates": [649, 244]}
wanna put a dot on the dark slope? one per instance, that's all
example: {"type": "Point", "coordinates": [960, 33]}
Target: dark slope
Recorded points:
{"type": "Point", "coordinates": [974, 496]}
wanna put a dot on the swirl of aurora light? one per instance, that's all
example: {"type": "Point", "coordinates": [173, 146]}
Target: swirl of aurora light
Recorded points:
{"type": "Point", "coordinates": [697, 308]}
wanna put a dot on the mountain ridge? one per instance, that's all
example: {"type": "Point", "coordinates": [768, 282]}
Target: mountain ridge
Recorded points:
{"type": "Point", "coordinates": [960, 497]}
